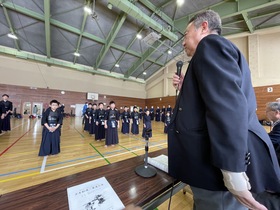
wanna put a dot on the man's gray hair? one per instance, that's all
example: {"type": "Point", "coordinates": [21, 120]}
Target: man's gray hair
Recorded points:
{"type": "Point", "coordinates": [273, 106]}
{"type": "Point", "coordinates": [213, 19]}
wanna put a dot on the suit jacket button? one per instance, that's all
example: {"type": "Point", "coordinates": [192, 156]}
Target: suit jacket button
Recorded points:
{"type": "Point", "coordinates": [180, 109]}
{"type": "Point", "coordinates": [177, 131]}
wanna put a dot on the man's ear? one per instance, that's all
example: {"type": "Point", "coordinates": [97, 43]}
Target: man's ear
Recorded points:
{"type": "Point", "coordinates": [204, 27]}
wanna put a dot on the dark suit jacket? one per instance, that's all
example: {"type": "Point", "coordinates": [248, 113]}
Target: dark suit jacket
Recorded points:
{"type": "Point", "coordinates": [275, 138]}
{"type": "Point", "coordinates": [214, 125]}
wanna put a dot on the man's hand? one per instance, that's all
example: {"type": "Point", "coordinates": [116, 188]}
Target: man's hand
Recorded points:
{"type": "Point", "coordinates": [238, 184]}
{"type": "Point", "coordinates": [177, 81]}
{"type": "Point", "coordinates": [246, 199]}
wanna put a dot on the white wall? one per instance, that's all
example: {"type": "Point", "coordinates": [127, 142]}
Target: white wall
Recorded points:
{"type": "Point", "coordinates": [26, 73]}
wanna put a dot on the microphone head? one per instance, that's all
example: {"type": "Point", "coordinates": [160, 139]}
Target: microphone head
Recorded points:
{"type": "Point", "coordinates": [179, 64]}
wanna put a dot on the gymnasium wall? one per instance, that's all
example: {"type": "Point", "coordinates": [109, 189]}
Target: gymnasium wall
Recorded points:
{"type": "Point", "coordinates": [20, 94]}
{"type": "Point", "coordinates": [32, 74]}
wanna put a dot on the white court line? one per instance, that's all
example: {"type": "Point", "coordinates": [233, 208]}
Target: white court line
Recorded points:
{"type": "Point", "coordinates": [18, 125]}
{"type": "Point", "coordinates": [88, 161]}
{"type": "Point", "coordinates": [44, 164]}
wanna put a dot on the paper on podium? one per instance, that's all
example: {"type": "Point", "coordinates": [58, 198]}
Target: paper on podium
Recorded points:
{"type": "Point", "coordinates": [97, 194]}
{"type": "Point", "coordinates": [160, 162]}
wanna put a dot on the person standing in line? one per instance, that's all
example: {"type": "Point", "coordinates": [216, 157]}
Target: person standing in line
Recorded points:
{"type": "Point", "coordinates": [125, 116]}
{"type": "Point", "coordinates": [51, 121]}
{"type": "Point", "coordinates": [147, 125]}
{"type": "Point", "coordinates": [2, 115]}
{"type": "Point", "coordinates": [88, 117]}
{"type": "Point", "coordinates": [169, 109]}
{"type": "Point", "coordinates": [93, 120]}
{"type": "Point", "coordinates": [84, 111]}
{"type": "Point", "coordinates": [135, 121]}
{"type": "Point", "coordinates": [167, 121]}
{"type": "Point", "coordinates": [100, 122]}
{"type": "Point", "coordinates": [140, 113]}
{"type": "Point", "coordinates": [7, 111]}
{"type": "Point", "coordinates": [220, 163]}
{"type": "Point", "coordinates": [163, 110]}
{"type": "Point", "coordinates": [152, 113]}
{"type": "Point", "coordinates": [158, 114]}
{"type": "Point", "coordinates": [112, 125]}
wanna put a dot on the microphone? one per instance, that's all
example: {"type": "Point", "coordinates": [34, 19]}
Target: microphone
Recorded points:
{"type": "Point", "coordinates": [179, 65]}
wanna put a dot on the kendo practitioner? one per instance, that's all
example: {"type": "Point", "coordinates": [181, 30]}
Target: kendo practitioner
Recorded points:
{"type": "Point", "coordinates": [169, 109]}
{"type": "Point", "coordinates": [163, 110]}
{"type": "Point", "coordinates": [2, 115]}
{"type": "Point", "coordinates": [157, 114]}
{"type": "Point", "coordinates": [140, 113]}
{"type": "Point", "coordinates": [88, 117]}
{"type": "Point", "coordinates": [215, 141]}
{"type": "Point", "coordinates": [7, 111]}
{"type": "Point", "coordinates": [167, 121]}
{"type": "Point", "coordinates": [146, 108]}
{"type": "Point", "coordinates": [100, 122]}
{"type": "Point", "coordinates": [112, 125]}
{"type": "Point", "coordinates": [125, 121]}
{"type": "Point", "coordinates": [152, 113]}
{"type": "Point", "coordinates": [147, 125]}
{"type": "Point", "coordinates": [92, 124]}
{"type": "Point", "coordinates": [51, 121]}
{"type": "Point", "coordinates": [135, 121]}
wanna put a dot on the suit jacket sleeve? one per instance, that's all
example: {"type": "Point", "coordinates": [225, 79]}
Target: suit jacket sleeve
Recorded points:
{"type": "Point", "coordinates": [219, 78]}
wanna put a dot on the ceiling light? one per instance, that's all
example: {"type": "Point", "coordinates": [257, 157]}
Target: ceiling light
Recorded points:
{"type": "Point", "coordinates": [12, 36]}
{"type": "Point", "coordinates": [169, 52]}
{"type": "Point", "coordinates": [62, 92]}
{"type": "Point", "coordinates": [77, 54]}
{"type": "Point", "coordinates": [180, 2]}
{"type": "Point", "coordinates": [139, 36]}
{"type": "Point", "coordinates": [117, 65]}
{"type": "Point", "coordinates": [144, 73]}
{"type": "Point", "coordinates": [88, 10]}
{"type": "Point", "coordinates": [110, 6]}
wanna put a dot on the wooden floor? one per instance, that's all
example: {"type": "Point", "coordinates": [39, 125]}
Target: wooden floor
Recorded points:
{"type": "Point", "coordinates": [21, 166]}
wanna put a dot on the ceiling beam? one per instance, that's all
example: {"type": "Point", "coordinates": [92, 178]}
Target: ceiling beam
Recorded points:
{"type": "Point", "coordinates": [174, 45]}
{"type": "Point", "coordinates": [130, 44]}
{"type": "Point", "coordinates": [47, 11]}
{"type": "Point", "coordinates": [158, 11]}
{"type": "Point", "coordinates": [109, 40]}
{"type": "Point", "coordinates": [81, 35]}
{"type": "Point", "coordinates": [135, 12]}
{"type": "Point", "coordinates": [124, 53]}
{"type": "Point", "coordinates": [11, 27]}
{"type": "Point", "coordinates": [144, 57]}
{"type": "Point", "coordinates": [248, 22]}
{"type": "Point", "coordinates": [69, 28]}
{"type": "Point", "coordinates": [61, 63]}
{"type": "Point", "coordinates": [166, 3]}
{"type": "Point", "coordinates": [228, 9]}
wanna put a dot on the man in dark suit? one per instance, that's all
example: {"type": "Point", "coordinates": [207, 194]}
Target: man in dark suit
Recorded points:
{"type": "Point", "coordinates": [215, 140]}
{"type": "Point", "coordinates": [273, 114]}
